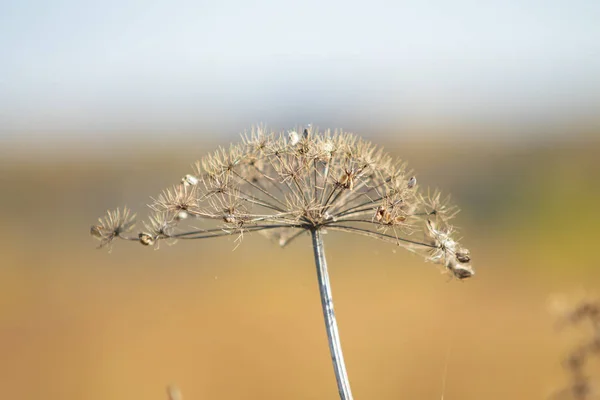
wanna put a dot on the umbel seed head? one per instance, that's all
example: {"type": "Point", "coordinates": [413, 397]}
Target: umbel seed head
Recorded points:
{"type": "Point", "coordinates": [283, 184]}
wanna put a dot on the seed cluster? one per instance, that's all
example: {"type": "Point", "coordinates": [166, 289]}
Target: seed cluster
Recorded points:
{"type": "Point", "coordinates": [283, 184]}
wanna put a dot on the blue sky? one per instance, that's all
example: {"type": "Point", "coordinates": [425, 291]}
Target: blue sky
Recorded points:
{"type": "Point", "coordinates": [114, 66]}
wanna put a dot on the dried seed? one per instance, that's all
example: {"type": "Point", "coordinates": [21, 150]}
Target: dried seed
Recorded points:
{"type": "Point", "coordinates": [146, 239]}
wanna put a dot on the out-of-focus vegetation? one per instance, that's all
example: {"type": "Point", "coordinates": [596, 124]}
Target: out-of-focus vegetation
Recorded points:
{"type": "Point", "coordinates": [246, 324]}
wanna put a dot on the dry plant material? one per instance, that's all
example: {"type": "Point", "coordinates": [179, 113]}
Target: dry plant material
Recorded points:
{"type": "Point", "coordinates": [580, 383]}
{"type": "Point", "coordinates": [285, 184]}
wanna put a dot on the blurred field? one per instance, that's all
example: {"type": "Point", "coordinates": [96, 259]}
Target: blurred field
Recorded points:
{"type": "Point", "coordinates": [81, 323]}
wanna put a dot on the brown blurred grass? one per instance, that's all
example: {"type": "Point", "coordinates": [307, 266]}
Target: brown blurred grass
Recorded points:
{"type": "Point", "coordinates": [246, 324]}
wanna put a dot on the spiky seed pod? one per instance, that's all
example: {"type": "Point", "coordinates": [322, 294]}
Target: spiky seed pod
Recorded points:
{"type": "Point", "coordinates": [289, 183]}
{"type": "Point", "coordinates": [113, 225]}
{"type": "Point", "coordinates": [160, 225]}
{"type": "Point", "coordinates": [179, 198]}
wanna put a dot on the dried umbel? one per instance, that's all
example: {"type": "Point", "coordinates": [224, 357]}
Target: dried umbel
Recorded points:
{"type": "Point", "coordinates": [284, 184]}
{"type": "Point", "coordinates": [113, 225]}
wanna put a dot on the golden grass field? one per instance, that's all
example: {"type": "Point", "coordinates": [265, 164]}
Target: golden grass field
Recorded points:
{"type": "Point", "coordinates": [81, 323]}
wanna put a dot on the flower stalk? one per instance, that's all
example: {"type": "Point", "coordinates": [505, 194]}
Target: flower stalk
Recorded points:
{"type": "Point", "coordinates": [333, 336]}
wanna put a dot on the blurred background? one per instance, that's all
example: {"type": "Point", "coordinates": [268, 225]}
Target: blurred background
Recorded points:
{"type": "Point", "coordinates": [105, 104]}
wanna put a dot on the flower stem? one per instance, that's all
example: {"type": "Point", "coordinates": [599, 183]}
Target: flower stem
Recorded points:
{"type": "Point", "coordinates": [335, 347]}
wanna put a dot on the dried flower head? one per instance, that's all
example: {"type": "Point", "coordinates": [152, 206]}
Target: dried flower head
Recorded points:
{"type": "Point", "coordinates": [113, 225]}
{"type": "Point", "coordinates": [288, 183]}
